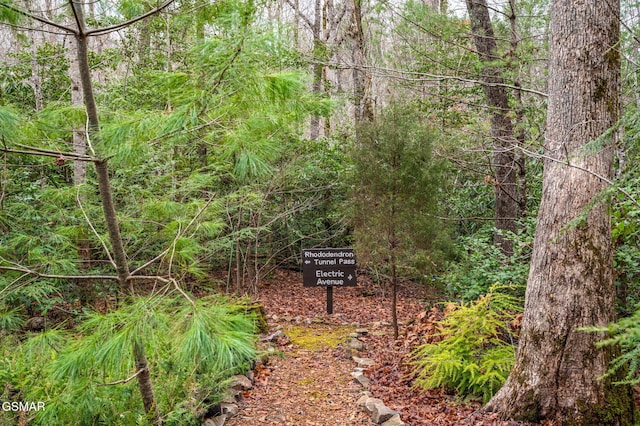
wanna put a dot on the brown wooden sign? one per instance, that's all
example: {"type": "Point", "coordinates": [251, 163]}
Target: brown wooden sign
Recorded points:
{"type": "Point", "coordinates": [328, 267]}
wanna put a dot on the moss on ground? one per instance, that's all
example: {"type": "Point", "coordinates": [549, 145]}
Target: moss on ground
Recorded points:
{"type": "Point", "coordinates": [317, 337]}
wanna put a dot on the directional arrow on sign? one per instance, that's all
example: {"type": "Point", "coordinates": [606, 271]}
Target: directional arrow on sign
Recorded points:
{"type": "Point", "coordinates": [329, 267]}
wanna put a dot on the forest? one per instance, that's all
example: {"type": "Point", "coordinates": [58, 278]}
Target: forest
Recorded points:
{"type": "Point", "coordinates": [167, 163]}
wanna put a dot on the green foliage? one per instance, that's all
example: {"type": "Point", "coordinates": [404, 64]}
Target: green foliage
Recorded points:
{"type": "Point", "coordinates": [624, 335]}
{"type": "Point", "coordinates": [191, 350]}
{"type": "Point", "coordinates": [8, 12]}
{"type": "Point", "coordinates": [436, 44]}
{"type": "Point", "coordinates": [477, 348]}
{"type": "Point", "coordinates": [395, 189]}
{"type": "Point", "coordinates": [481, 264]}
{"type": "Point", "coordinates": [187, 134]}
{"type": "Point", "coordinates": [132, 8]}
{"type": "Point", "coordinates": [626, 218]}
{"type": "Point", "coordinates": [8, 123]}
{"type": "Point", "coordinates": [51, 68]}
{"type": "Point", "coordinates": [626, 236]}
{"type": "Point", "coordinates": [10, 319]}
{"type": "Point", "coordinates": [314, 190]}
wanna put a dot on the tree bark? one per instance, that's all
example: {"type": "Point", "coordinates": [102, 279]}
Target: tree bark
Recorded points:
{"type": "Point", "coordinates": [108, 208]}
{"type": "Point", "coordinates": [104, 184]}
{"type": "Point", "coordinates": [363, 109]}
{"type": "Point", "coordinates": [79, 139]}
{"type": "Point", "coordinates": [558, 369]}
{"type": "Point", "coordinates": [394, 294]}
{"type": "Point", "coordinates": [36, 81]}
{"type": "Point", "coordinates": [145, 385]}
{"type": "Point", "coordinates": [113, 226]}
{"type": "Point", "coordinates": [504, 142]}
{"type": "Point", "coordinates": [519, 134]}
{"type": "Point", "coordinates": [318, 57]}
{"type": "Point", "coordinates": [79, 147]}
{"type": "Point", "coordinates": [393, 247]}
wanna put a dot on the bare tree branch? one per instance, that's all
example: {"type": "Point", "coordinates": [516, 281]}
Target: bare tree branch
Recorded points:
{"type": "Point", "coordinates": [300, 14]}
{"type": "Point", "coordinates": [93, 229]}
{"type": "Point", "coordinates": [42, 30]}
{"type": "Point", "coordinates": [77, 10]}
{"type": "Point", "coordinates": [178, 235]}
{"type": "Point", "coordinates": [112, 28]}
{"type": "Point", "coordinates": [56, 276]}
{"type": "Point", "coordinates": [128, 379]}
{"type": "Point", "coordinates": [422, 76]}
{"type": "Point", "coordinates": [567, 163]}
{"type": "Point", "coordinates": [42, 151]}
{"type": "Point", "coordinates": [80, 30]}
{"type": "Point", "coordinates": [40, 19]}
{"type": "Point", "coordinates": [63, 156]}
{"type": "Point", "coordinates": [29, 272]}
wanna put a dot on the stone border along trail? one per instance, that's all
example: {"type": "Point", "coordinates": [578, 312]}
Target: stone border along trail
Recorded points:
{"type": "Point", "coordinates": [307, 380]}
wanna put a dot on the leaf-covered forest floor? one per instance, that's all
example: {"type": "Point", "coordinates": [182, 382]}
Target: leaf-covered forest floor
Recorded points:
{"type": "Point", "coordinates": [308, 381]}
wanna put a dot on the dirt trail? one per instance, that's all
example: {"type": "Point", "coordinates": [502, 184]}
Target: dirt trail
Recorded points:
{"type": "Point", "coordinates": [308, 385]}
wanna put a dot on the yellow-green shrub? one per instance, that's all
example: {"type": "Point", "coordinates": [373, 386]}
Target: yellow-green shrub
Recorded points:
{"type": "Point", "coordinates": [477, 350]}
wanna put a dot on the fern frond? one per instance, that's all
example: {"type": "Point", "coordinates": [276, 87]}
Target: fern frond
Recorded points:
{"type": "Point", "coordinates": [473, 357]}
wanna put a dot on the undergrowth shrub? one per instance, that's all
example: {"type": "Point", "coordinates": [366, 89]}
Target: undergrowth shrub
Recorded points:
{"type": "Point", "coordinates": [481, 264]}
{"type": "Point", "coordinates": [10, 318]}
{"type": "Point", "coordinates": [86, 375]}
{"type": "Point", "coordinates": [624, 334]}
{"type": "Point", "coordinates": [477, 349]}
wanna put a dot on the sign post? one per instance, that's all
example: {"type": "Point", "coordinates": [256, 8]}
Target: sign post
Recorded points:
{"type": "Point", "coordinates": [329, 267]}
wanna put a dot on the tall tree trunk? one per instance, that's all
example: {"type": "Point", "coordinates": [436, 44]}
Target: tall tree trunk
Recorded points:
{"type": "Point", "coordinates": [104, 184]}
{"type": "Point", "coordinates": [296, 27]}
{"type": "Point", "coordinates": [36, 81]}
{"type": "Point", "coordinates": [394, 294]}
{"type": "Point", "coordinates": [253, 266]}
{"type": "Point", "coordinates": [393, 254]}
{"type": "Point", "coordinates": [108, 206]}
{"type": "Point", "coordinates": [363, 109]}
{"type": "Point", "coordinates": [79, 147]}
{"type": "Point", "coordinates": [558, 370]}
{"type": "Point", "coordinates": [504, 143]}
{"type": "Point", "coordinates": [327, 17]}
{"type": "Point", "coordinates": [439, 6]}
{"type": "Point", "coordinates": [318, 55]}
{"type": "Point", "coordinates": [79, 139]}
{"type": "Point", "coordinates": [520, 158]}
